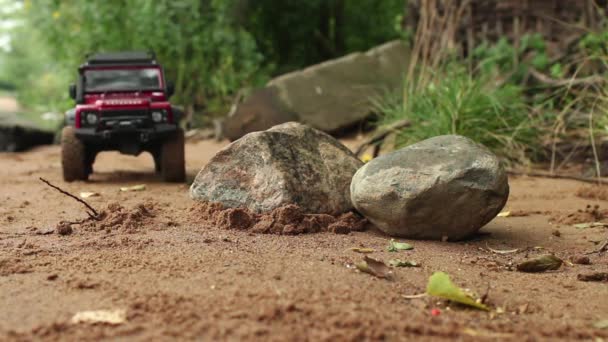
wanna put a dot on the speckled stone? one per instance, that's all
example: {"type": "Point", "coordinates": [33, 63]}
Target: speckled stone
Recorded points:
{"type": "Point", "coordinates": [444, 187]}
{"type": "Point", "coordinates": [288, 164]}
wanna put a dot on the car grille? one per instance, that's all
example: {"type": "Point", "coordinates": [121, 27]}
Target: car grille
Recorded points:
{"type": "Point", "coordinates": [124, 113]}
{"type": "Point", "coordinates": [116, 119]}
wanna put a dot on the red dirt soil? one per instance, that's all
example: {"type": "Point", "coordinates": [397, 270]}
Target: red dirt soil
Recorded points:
{"type": "Point", "coordinates": [182, 276]}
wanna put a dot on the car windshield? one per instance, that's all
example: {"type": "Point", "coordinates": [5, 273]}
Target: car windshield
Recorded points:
{"type": "Point", "coordinates": [122, 79]}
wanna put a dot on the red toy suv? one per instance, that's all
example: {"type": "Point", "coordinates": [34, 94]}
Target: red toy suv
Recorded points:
{"type": "Point", "coordinates": [122, 104]}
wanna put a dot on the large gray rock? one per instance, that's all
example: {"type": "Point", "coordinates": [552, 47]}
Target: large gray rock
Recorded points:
{"type": "Point", "coordinates": [287, 164]}
{"type": "Point", "coordinates": [446, 186]}
{"type": "Point", "coordinates": [329, 96]}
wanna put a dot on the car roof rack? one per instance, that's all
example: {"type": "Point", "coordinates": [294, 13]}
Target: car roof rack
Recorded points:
{"type": "Point", "coordinates": [121, 58]}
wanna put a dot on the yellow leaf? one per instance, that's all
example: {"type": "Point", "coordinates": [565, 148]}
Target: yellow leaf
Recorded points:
{"type": "Point", "coordinates": [139, 187]}
{"type": "Point", "coordinates": [100, 316]}
{"type": "Point", "coordinates": [440, 285]}
{"type": "Point", "coordinates": [366, 157]}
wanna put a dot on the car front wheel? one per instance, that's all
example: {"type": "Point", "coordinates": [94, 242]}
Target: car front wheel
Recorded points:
{"type": "Point", "coordinates": [172, 161]}
{"type": "Point", "coordinates": [73, 156]}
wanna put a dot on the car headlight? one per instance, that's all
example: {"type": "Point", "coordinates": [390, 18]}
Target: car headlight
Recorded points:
{"type": "Point", "coordinates": [88, 118]}
{"type": "Point", "coordinates": [157, 116]}
{"type": "Point", "coordinates": [91, 118]}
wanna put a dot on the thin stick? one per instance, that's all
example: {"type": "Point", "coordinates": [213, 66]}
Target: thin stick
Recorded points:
{"type": "Point", "coordinates": [602, 249]}
{"type": "Point", "coordinates": [95, 214]}
{"type": "Point", "coordinates": [381, 134]}
{"type": "Point", "coordinates": [553, 175]}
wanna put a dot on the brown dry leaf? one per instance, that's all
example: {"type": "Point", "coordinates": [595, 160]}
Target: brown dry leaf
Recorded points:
{"type": "Point", "coordinates": [523, 308]}
{"type": "Point", "coordinates": [486, 334]}
{"type": "Point", "coordinates": [502, 251]}
{"type": "Point", "coordinates": [374, 267]}
{"type": "Point", "coordinates": [597, 276]}
{"type": "Point", "coordinates": [544, 263]}
{"type": "Point", "coordinates": [362, 250]}
{"type": "Point", "coordinates": [100, 316]}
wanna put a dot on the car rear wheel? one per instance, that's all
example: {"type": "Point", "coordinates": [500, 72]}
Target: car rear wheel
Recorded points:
{"type": "Point", "coordinates": [73, 156]}
{"type": "Point", "coordinates": [172, 162]}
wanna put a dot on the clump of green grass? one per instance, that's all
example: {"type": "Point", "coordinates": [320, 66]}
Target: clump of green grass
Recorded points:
{"type": "Point", "coordinates": [455, 101]}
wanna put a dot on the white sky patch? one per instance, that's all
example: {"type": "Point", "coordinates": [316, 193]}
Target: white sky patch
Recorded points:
{"type": "Point", "coordinates": [7, 9]}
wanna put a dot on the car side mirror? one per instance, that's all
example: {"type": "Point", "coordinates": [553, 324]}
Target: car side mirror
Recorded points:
{"type": "Point", "coordinates": [170, 89]}
{"type": "Point", "coordinates": [72, 91]}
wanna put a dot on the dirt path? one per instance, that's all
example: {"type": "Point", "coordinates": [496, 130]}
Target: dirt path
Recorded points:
{"type": "Point", "coordinates": [176, 277]}
{"type": "Point", "coordinates": [8, 104]}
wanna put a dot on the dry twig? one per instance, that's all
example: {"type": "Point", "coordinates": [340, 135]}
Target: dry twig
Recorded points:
{"type": "Point", "coordinates": [92, 213]}
{"type": "Point", "coordinates": [381, 135]}
{"type": "Point", "coordinates": [559, 176]}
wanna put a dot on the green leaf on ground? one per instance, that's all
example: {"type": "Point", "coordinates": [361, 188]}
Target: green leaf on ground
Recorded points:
{"type": "Point", "coordinates": [544, 263]}
{"type": "Point", "coordinates": [440, 285]}
{"type": "Point", "coordinates": [402, 263]}
{"type": "Point", "coordinates": [394, 246]}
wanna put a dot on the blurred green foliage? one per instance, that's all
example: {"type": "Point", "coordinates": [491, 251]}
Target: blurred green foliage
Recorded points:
{"type": "Point", "coordinates": [472, 105]}
{"type": "Point", "coordinates": [209, 48]}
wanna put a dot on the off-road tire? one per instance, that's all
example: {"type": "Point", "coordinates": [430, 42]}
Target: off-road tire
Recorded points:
{"type": "Point", "coordinates": [73, 156]}
{"type": "Point", "coordinates": [172, 161]}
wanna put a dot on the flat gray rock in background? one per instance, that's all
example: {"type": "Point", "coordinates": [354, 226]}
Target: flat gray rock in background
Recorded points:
{"type": "Point", "coordinates": [287, 164]}
{"type": "Point", "coordinates": [446, 186]}
{"type": "Point", "coordinates": [329, 96]}
{"type": "Point", "coordinates": [17, 134]}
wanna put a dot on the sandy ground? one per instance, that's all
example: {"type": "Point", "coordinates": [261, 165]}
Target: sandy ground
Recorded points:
{"type": "Point", "coordinates": [8, 104]}
{"type": "Point", "coordinates": [179, 278]}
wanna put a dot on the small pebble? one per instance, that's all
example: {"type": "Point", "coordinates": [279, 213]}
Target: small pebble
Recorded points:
{"type": "Point", "coordinates": [581, 260]}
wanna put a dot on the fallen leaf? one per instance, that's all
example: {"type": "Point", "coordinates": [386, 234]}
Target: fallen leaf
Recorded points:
{"type": "Point", "coordinates": [402, 263]}
{"type": "Point", "coordinates": [440, 285]}
{"type": "Point", "coordinates": [87, 194]}
{"type": "Point", "coordinates": [504, 214]}
{"type": "Point", "coordinates": [486, 334]}
{"type": "Point", "coordinates": [100, 316]}
{"type": "Point", "coordinates": [362, 250]}
{"type": "Point", "coordinates": [502, 251]}
{"type": "Point", "coordinates": [139, 187]}
{"type": "Point", "coordinates": [416, 296]}
{"type": "Point", "coordinates": [366, 157]}
{"type": "Point", "coordinates": [374, 267]}
{"type": "Point", "coordinates": [394, 246]}
{"type": "Point", "coordinates": [544, 263]}
{"type": "Point", "coordinates": [597, 276]}
{"type": "Point", "coordinates": [522, 309]}
{"type": "Point", "coordinates": [590, 225]}
{"type": "Point", "coordinates": [603, 324]}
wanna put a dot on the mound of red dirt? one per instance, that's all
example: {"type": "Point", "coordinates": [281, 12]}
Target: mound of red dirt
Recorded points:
{"type": "Point", "coordinates": [589, 214]}
{"type": "Point", "coordinates": [286, 220]}
{"type": "Point", "coordinates": [117, 217]}
{"type": "Point", "coordinates": [593, 192]}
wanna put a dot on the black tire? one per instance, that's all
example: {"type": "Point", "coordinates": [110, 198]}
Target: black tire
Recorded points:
{"type": "Point", "coordinates": [157, 163]}
{"type": "Point", "coordinates": [172, 161]}
{"type": "Point", "coordinates": [73, 156]}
